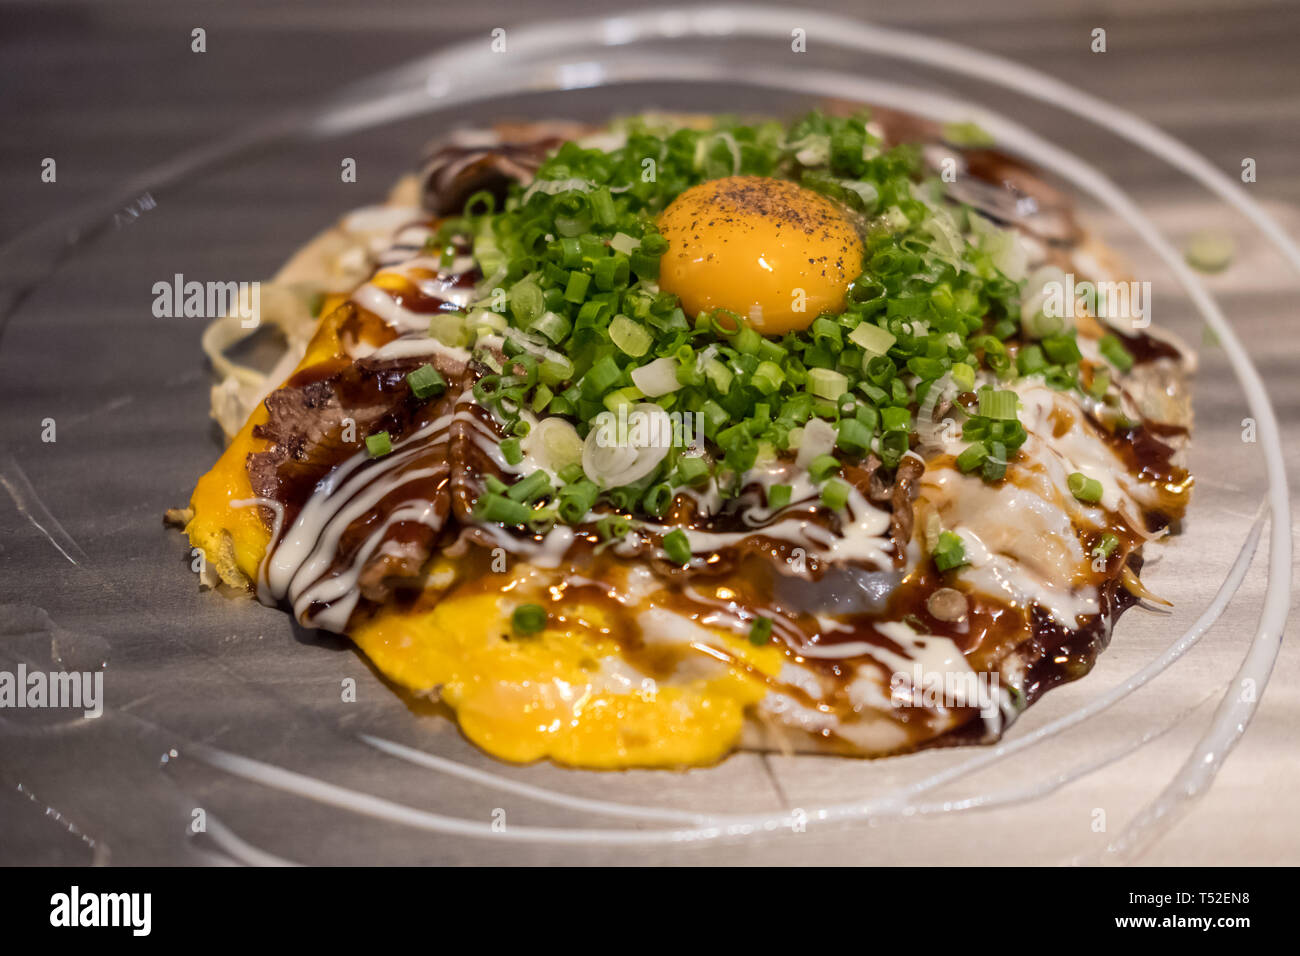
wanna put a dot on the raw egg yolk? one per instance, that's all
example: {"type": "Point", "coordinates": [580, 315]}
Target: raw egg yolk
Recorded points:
{"type": "Point", "coordinates": [769, 250]}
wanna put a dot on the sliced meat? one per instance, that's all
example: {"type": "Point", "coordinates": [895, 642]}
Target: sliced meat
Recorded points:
{"type": "Point", "coordinates": [309, 416]}
{"type": "Point", "coordinates": [474, 160]}
{"type": "Point", "coordinates": [473, 432]}
{"type": "Point", "coordinates": [906, 488]}
{"type": "Point", "coordinates": [310, 420]}
{"type": "Point", "coordinates": [897, 489]}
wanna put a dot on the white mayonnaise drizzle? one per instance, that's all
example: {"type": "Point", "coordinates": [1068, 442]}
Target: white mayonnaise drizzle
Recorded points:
{"type": "Point", "coordinates": [297, 564]}
{"type": "Point", "coordinates": [1021, 536]}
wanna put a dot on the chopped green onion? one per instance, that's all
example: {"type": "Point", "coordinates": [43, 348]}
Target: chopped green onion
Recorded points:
{"type": "Point", "coordinates": [995, 465]}
{"type": "Point", "coordinates": [1113, 351]}
{"type": "Point", "coordinates": [872, 339]}
{"type": "Point", "coordinates": [760, 632]}
{"type": "Point", "coordinates": [657, 378]}
{"type": "Point", "coordinates": [601, 377]}
{"type": "Point", "coordinates": [379, 444]}
{"type": "Point", "coordinates": [528, 619]}
{"type": "Point", "coordinates": [657, 499]}
{"type": "Point", "coordinates": [778, 496]}
{"type": "Point", "coordinates": [967, 134]}
{"type": "Point", "coordinates": [691, 470]}
{"type": "Point", "coordinates": [997, 403]}
{"type": "Point", "coordinates": [576, 499]}
{"type": "Point", "coordinates": [576, 289]}
{"type": "Point", "coordinates": [449, 329]}
{"type": "Point", "coordinates": [526, 302]}
{"type": "Point", "coordinates": [602, 206]}
{"type": "Point", "coordinates": [895, 419]}
{"type": "Point", "coordinates": [822, 467]}
{"type": "Point", "coordinates": [853, 437]}
{"type": "Point", "coordinates": [632, 338]}
{"type": "Point", "coordinates": [512, 451]}
{"type": "Point", "coordinates": [624, 243]}
{"type": "Point", "coordinates": [835, 494]}
{"type": "Point", "coordinates": [718, 375]}
{"type": "Point", "coordinates": [972, 458]}
{"type": "Point", "coordinates": [493, 507]}
{"type": "Point", "coordinates": [827, 383]}
{"type": "Point", "coordinates": [1210, 251]}
{"type": "Point", "coordinates": [677, 546]}
{"type": "Point", "coordinates": [552, 325]}
{"type": "Point", "coordinates": [950, 552]}
{"type": "Point", "coordinates": [531, 488]}
{"type": "Point", "coordinates": [1106, 545]}
{"type": "Point", "coordinates": [425, 381]}
{"type": "Point", "coordinates": [1100, 383]}
{"type": "Point", "coordinates": [612, 527]}
{"type": "Point", "coordinates": [1030, 359]}
{"type": "Point", "coordinates": [963, 375]}
{"type": "Point", "coordinates": [1061, 349]}
{"type": "Point", "coordinates": [768, 377]}
{"type": "Point", "coordinates": [1088, 490]}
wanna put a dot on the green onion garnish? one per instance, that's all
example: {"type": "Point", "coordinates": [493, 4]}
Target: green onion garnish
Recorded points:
{"type": "Point", "coordinates": [585, 328]}
{"type": "Point", "coordinates": [997, 403]}
{"type": "Point", "coordinates": [1100, 384]}
{"type": "Point", "coordinates": [511, 450]}
{"type": "Point", "coordinates": [657, 499]}
{"type": "Point", "coordinates": [425, 381]}
{"type": "Point", "coordinates": [835, 494]}
{"type": "Point", "coordinates": [677, 546]}
{"type": "Point", "coordinates": [493, 507]}
{"type": "Point", "coordinates": [1210, 251]}
{"type": "Point", "coordinates": [1088, 490]}
{"type": "Point", "coordinates": [531, 488]}
{"type": "Point", "coordinates": [1113, 351]}
{"type": "Point", "coordinates": [949, 552]}
{"type": "Point", "coordinates": [613, 527]}
{"type": "Point", "coordinates": [1030, 359]}
{"type": "Point", "coordinates": [1061, 349]}
{"type": "Point", "coordinates": [719, 376]}
{"type": "Point", "coordinates": [691, 471]}
{"type": "Point", "coordinates": [972, 458]}
{"type": "Point", "coordinates": [872, 339]}
{"type": "Point", "coordinates": [827, 383]}
{"type": "Point", "coordinates": [1106, 545]}
{"type": "Point", "coordinates": [995, 465]}
{"type": "Point", "coordinates": [379, 444]}
{"type": "Point", "coordinates": [963, 375]}
{"type": "Point", "coordinates": [895, 420]}
{"type": "Point", "coordinates": [768, 377]}
{"type": "Point", "coordinates": [778, 496]}
{"type": "Point", "coordinates": [528, 619]}
{"type": "Point", "coordinates": [760, 632]}
{"type": "Point", "coordinates": [822, 467]}
{"type": "Point", "coordinates": [633, 339]}
{"type": "Point", "coordinates": [853, 436]}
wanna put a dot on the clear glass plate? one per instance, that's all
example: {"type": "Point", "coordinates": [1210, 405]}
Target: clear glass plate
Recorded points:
{"type": "Point", "coordinates": [222, 717]}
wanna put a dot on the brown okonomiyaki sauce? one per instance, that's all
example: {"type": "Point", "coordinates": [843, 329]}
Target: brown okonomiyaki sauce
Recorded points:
{"type": "Point", "coordinates": [736, 584]}
{"type": "Point", "coordinates": [730, 587]}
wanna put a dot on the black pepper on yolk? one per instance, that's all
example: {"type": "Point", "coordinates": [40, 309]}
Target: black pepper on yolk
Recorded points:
{"type": "Point", "coordinates": [775, 253]}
